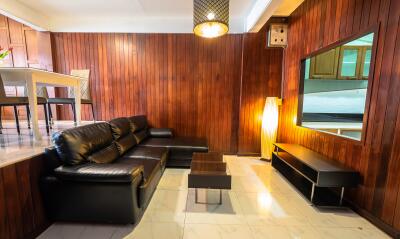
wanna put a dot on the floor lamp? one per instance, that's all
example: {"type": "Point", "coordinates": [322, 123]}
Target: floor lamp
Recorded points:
{"type": "Point", "coordinates": [269, 127]}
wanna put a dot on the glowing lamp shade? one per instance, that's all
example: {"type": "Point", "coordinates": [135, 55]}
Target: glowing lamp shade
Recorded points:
{"type": "Point", "coordinates": [210, 18]}
{"type": "Point", "coordinates": [269, 126]}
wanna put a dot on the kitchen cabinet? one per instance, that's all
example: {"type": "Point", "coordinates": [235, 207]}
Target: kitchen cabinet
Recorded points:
{"type": "Point", "coordinates": [342, 63]}
{"type": "Point", "coordinates": [325, 65]}
{"type": "Point", "coordinates": [354, 62]}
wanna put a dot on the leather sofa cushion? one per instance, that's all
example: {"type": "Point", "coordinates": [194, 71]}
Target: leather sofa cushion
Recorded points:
{"type": "Point", "coordinates": [178, 143]}
{"type": "Point", "coordinates": [139, 127]}
{"type": "Point", "coordinates": [141, 135]}
{"type": "Point", "coordinates": [92, 172]}
{"type": "Point", "coordinates": [125, 143]}
{"type": "Point", "coordinates": [75, 145]}
{"type": "Point", "coordinates": [124, 139]}
{"type": "Point", "coordinates": [105, 155]}
{"type": "Point", "coordinates": [120, 127]}
{"type": "Point", "coordinates": [138, 122]}
{"type": "Point", "coordinates": [155, 153]}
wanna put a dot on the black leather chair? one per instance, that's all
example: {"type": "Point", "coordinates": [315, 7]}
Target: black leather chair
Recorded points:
{"type": "Point", "coordinates": [99, 172]}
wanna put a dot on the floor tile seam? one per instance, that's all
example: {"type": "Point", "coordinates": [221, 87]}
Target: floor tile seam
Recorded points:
{"type": "Point", "coordinates": [184, 219]}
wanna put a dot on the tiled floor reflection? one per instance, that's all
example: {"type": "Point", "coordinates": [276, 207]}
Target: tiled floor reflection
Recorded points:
{"type": "Point", "coordinates": [14, 147]}
{"type": "Point", "coordinates": [260, 205]}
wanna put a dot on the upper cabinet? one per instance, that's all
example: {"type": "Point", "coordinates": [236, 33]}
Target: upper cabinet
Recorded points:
{"type": "Point", "coordinates": [343, 63]}
{"type": "Point", "coordinates": [31, 48]}
{"type": "Point", "coordinates": [365, 62]}
{"type": "Point", "coordinates": [354, 62]}
{"type": "Point", "coordinates": [325, 65]}
{"type": "Point", "coordinates": [349, 62]}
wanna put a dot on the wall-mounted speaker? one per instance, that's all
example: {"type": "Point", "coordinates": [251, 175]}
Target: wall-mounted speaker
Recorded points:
{"type": "Point", "coordinates": [277, 35]}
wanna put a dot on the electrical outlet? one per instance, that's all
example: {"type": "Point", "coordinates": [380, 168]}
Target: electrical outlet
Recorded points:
{"type": "Point", "coordinates": [277, 35]}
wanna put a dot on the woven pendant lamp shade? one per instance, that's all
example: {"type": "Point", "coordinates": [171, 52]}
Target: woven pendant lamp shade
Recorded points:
{"type": "Point", "coordinates": [210, 18]}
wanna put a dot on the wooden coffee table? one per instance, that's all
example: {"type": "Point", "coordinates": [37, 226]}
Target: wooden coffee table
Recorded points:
{"type": "Point", "coordinates": [208, 171]}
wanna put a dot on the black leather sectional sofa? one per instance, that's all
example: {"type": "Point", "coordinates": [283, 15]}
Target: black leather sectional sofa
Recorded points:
{"type": "Point", "coordinates": [107, 172]}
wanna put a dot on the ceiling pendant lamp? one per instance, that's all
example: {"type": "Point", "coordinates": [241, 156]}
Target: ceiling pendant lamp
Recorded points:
{"type": "Point", "coordinates": [210, 18]}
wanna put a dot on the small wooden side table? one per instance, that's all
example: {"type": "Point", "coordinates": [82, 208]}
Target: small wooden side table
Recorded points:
{"type": "Point", "coordinates": [208, 171]}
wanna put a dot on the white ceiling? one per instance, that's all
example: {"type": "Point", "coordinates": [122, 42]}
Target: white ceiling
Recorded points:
{"type": "Point", "coordinates": [128, 15]}
{"type": "Point", "coordinates": [126, 8]}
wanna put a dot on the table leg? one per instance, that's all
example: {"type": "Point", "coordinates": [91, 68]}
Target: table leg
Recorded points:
{"type": "Point", "coordinates": [31, 87]}
{"type": "Point", "coordinates": [77, 92]}
{"type": "Point", "coordinates": [312, 193]}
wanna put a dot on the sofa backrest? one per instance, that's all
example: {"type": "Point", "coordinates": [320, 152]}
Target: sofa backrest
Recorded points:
{"type": "Point", "coordinates": [92, 142]}
{"type": "Point", "coordinates": [123, 136]}
{"type": "Point", "coordinates": [139, 127]}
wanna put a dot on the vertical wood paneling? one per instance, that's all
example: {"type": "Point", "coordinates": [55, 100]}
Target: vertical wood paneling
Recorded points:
{"type": "Point", "coordinates": [4, 229]}
{"type": "Point", "coordinates": [177, 80]}
{"type": "Point", "coordinates": [17, 41]}
{"type": "Point", "coordinates": [261, 77]}
{"type": "Point", "coordinates": [378, 158]}
{"type": "Point", "coordinates": [21, 208]}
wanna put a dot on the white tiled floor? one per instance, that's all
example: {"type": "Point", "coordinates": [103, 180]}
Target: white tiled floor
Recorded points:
{"type": "Point", "coordinates": [260, 205]}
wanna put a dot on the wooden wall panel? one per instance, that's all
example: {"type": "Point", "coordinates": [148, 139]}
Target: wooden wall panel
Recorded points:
{"type": "Point", "coordinates": [21, 208]}
{"type": "Point", "coordinates": [32, 54]}
{"type": "Point", "coordinates": [378, 158]}
{"type": "Point", "coordinates": [178, 80]}
{"type": "Point", "coordinates": [261, 77]}
{"type": "Point", "coordinates": [191, 84]}
{"type": "Point", "coordinates": [17, 42]}
{"type": "Point", "coordinates": [5, 39]}
{"type": "Point", "coordinates": [8, 61]}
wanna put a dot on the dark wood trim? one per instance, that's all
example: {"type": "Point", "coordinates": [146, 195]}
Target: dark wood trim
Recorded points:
{"type": "Point", "coordinates": [371, 29]}
{"type": "Point", "coordinates": [300, 98]}
{"type": "Point", "coordinates": [249, 154]}
{"type": "Point", "coordinates": [370, 86]}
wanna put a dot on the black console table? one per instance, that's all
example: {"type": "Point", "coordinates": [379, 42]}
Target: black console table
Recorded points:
{"type": "Point", "coordinates": [319, 179]}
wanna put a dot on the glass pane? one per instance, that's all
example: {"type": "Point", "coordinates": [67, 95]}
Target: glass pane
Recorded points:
{"type": "Point", "coordinates": [349, 62]}
{"type": "Point", "coordinates": [367, 63]}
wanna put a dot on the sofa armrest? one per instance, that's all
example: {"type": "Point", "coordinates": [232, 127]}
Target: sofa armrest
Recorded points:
{"type": "Point", "coordinates": [51, 160]}
{"type": "Point", "coordinates": [161, 132]}
{"type": "Point", "coordinates": [100, 173]}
